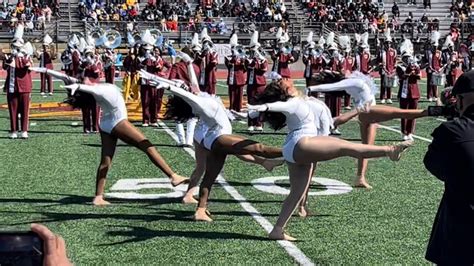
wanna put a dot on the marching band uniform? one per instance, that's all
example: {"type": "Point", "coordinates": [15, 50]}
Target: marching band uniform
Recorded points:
{"type": "Point", "coordinates": [91, 71]}
{"type": "Point", "coordinates": [256, 66]}
{"type": "Point", "coordinates": [282, 58]}
{"type": "Point", "coordinates": [446, 59]}
{"type": "Point", "coordinates": [435, 66]}
{"type": "Point", "coordinates": [71, 58]}
{"type": "Point", "coordinates": [455, 67]}
{"type": "Point", "coordinates": [348, 65]}
{"type": "Point", "coordinates": [314, 64]}
{"type": "Point", "coordinates": [131, 79]}
{"type": "Point", "coordinates": [236, 76]}
{"type": "Point", "coordinates": [388, 61]}
{"type": "Point", "coordinates": [147, 91]}
{"type": "Point", "coordinates": [409, 94]}
{"type": "Point", "coordinates": [109, 59]}
{"type": "Point", "coordinates": [46, 60]}
{"type": "Point", "coordinates": [207, 60]}
{"type": "Point", "coordinates": [363, 62]}
{"type": "Point", "coordinates": [334, 99]}
{"type": "Point", "coordinates": [18, 85]}
{"type": "Point", "coordinates": [161, 64]}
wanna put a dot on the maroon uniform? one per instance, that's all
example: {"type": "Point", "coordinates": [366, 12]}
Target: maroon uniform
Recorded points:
{"type": "Point", "coordinates": [148, 92]}
{"type": "Point", "coordinates": [207, 61]}
{"type": "Point", "coordinates": [314, 64]}
{"type": "Point", "coordinates": [180, 71]}
{"type": "Point", "coordinates": [76, 62]}
{"type": "Point", "coordinates": [409, 94]}
{"type": "Point", "coordinates": [236, 79]}
{"type": "Point", "coordinates": [363, 63]}
{"type": "Point", "coordinates": [388, 61]}
{"type": "Point", "coordinates": [18, 86]}
{"type": "Point", "coordinates": [334, 99]}
{"type": "Point", "coordinates": [109, 66]}
{"type": "Point", "coordinates": [46, 60]}
{"type": "Point", "coordinates": [435, 64]}
{"type": "Point", "coordinates": [161, 64]}
{"type": "Point", "coordinates": [348, 65]}
{"type": "Point", "coordinates": [256, 83]}
{"type": "Point", "coordinates": [91, 113]}
{"type": "Point", "coordinates": [281, 64]}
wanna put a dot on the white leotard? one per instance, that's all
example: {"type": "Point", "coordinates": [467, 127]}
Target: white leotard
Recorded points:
{"type": "Point", "coordinates": [110, 100]}
{"type": "Point", "coordinates": [210, 112]}
{"type": "Point", "coordinates": [300, 120]}
{"type": "Point", "coordinates": [322, 115]}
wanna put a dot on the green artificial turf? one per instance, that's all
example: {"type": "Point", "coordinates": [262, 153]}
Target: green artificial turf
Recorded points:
{"type": "Point", "coordinates": [50, 178]}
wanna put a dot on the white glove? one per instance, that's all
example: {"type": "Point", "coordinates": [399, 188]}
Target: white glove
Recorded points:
{"type": "Point", "coordinates": [185, 57]}
{"type": "Point", "coordinates": [38, 69]}
{"type": "Point", "coordinates": [258, 108]}
{"type": "Point", "coordinates": [73, 88]}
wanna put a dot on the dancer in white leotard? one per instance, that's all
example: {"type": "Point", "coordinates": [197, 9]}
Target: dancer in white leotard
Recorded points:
{"type": "Point", "coordinates": [303, 147]}
{"type": "Point", "coordinates": [113, 125]}
{"type": "Point", "coordinates": [369, 119]}
{"type": "Point", "coordinates": [218, 142]}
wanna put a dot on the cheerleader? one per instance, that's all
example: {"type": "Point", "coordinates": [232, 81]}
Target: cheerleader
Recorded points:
{"type": "Point", "coordinates": [215, 137]}
{"type": "Point", "coordinates": [113, 126]}
{"type": "Point", "coordinates": [303, 147]}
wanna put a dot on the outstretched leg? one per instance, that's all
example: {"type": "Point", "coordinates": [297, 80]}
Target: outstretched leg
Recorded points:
{"type": "Point", "coordinates": [214, 164]}
{"type": "Point", "coordinates": [128, 133]}
{"type": "Point", "coordinates": [109, 143]}
{"type": "Point", "coordinates": [268, 164]}
{"type": "Point", "coordinates": [368, 133]}
{"type": "Point", "coordinates": [238, 145]}
{"type": "Point", "coordinates": [317, 149]}
{"type": "Point", "coordinates": [300, 176]}
{"type": "Point", "coordinates": [380, 113]}
{"type": "Point", "coordinates": [201, 154]}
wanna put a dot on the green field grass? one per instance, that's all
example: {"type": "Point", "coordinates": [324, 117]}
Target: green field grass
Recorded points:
{"type": "Point", "coordinates": [50, 178]}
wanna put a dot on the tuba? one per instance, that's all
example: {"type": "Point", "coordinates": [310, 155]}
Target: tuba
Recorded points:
{"type": "Point", "coordinates": [156, 35]}
{"type": "Point", "coordinates": [97, 35]}
{"type": "Point", "coordinates": [112, 39]}
{"type": "Point", "coordinates": [288, 47]}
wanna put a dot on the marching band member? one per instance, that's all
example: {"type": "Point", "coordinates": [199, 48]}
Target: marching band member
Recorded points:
{"type": "Point", "coordinates": [108, 58]}
{"type": "Point", "coordinates": [208, 61]}
{"type": "Point", "coordinates": [388, 63]}
{"type": "Point", "coordinates": [131, 79]}
{"type": "Point", "coordinates": [303, 147]}
{"type": "Point", "coordinates": [363, 57]}
{"type": "Point", "coordinates": [90, 71]}
{"type": "Point", "coordinates": [348, 65]}
{"type": "Point", "coordinates": [434, 66]}
{"type": "Point", "coordinates": [236, 77]}
{"type": "Point", "coordinates": [409, 92]}
{"type": "Point", "coordinates": [180, 71]}
{"type": "Point", "coordinates": [446, 56]}
{"type": "Point", "coordinates": [313, 60]}
{"type": "Point", "coordinates": [218, 141]}
{"type": "Point", "coordinates": [71, 57]}
{"type": "Point", "coordinates": [114, 126]}
{"type": "Point", "coordinates": [18, 85]}
{"type": "Point", "coordinates": [455, 67]}
{"type": "Point", "coordinates": [282, 57]}
{"type": "Point", "coordinates": [148, 61]}
{"type": "Point", "coordinates": [334, 99]}
{"type": "Point", "coordinates": [46, 57]}
{"type": "Point", "coordinates": [256, 65]}
{"type": "Point", "coordinates": [161, 64]}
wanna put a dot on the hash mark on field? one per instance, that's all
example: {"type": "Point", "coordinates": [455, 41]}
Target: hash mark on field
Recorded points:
{"type": "Point", "coordinates": [290, 248]}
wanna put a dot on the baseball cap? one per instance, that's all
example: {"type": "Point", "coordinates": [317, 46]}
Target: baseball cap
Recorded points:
{"type": "Point", "coordinates": [464, 84]}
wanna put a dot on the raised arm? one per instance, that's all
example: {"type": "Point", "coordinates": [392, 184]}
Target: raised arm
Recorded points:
{"type": "Point", "coordinates": [56, 74]}
{"type": "Point", "coordinates": [95, 90]}
{"type": "Point", "coordinates": [287, 107]}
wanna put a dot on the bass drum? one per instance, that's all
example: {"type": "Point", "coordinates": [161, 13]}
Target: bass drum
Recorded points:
{"type": "Point", "coordinates": [391, 81]}
{"type": "Point", "coordinates": [438, 79]}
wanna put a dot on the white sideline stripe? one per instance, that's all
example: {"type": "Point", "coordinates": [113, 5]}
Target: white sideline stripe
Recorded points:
{"type": "Point", "coordinates": [290, 248]}
{"type": "Point", "coordinates": [398, 131]}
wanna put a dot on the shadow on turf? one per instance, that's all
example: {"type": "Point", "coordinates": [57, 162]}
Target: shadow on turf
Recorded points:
{"type": "Point", "coordinates": [138, 234]}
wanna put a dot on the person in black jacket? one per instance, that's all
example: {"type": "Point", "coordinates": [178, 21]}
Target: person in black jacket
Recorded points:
{"type": "Point", "coordinates": [450, 158]}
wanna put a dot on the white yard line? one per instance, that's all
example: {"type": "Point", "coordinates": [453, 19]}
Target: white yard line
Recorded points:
{"type": "Point", "coordinates": [290, 248]}
{"type": "Point", "coordinates": [398, 131]}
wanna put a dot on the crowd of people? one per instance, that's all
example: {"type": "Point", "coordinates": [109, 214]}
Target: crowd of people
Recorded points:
{"type": "Point", "coordinates": [34, 14]}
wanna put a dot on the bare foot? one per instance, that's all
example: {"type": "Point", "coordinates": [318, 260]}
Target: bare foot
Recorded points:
{"type": "Point", "coordinates": [303, 211]}
{"type": "Point", "coordinates": [99, 201]}
{"type": "Point", "coordinates": [202, 214]}
{"type": "Point", "coordinates": [269, 164]}
{"type": "Point", "coordinates": [361, 183]}
{"type": "Point", "coordinates": [177, 180]}
{"type": "Point", "coordinates": [397, 150]}
{"type": "Point", "coordinates": [280, 235]}
{"type": "Point", "coordinates": [189, 200]}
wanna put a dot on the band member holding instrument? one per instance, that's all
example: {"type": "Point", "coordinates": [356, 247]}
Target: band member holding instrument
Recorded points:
{"type": "Point", "coordinates": [108, 58]}
{"type": "Point", "coordinates": [236, 77]}
{"type": "Point", "coordinates": [282, 57]}
{"type": "Point", "coordinates": [207, 60]}
{"type": "Point", "coordinates": [434, 66]}
{"type": "Point", "coordinates": [313, 60]}
{"type": "Point", "coordinates": [46, 57]}
{"type": "Point", "coordinates": [446, 56]}
{"type": "Point", "coordinates": [90, 70]}
{"type": "Point", "coordinates": [256, 65]}
{"type": "Point", "coordinates": [160, 65]}
{"type": "Point", "coordinates": [334, 99]}
{"type": "Point", "coordinates": [18, 85]}
{"type": "Point", "coordinates": [131, 79]}
{"type": "Point", "coordinates": [388, 62]}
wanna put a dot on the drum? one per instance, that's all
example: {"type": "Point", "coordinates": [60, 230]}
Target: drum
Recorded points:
{"type": "Point", "coordinates": [391, 81]}
{"type": "Point", "coordinates": [438, 79]}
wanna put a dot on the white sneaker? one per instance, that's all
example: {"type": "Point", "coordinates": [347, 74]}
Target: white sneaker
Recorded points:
{"type": "Point", "coordinates": [50, 94]}
{"type": "Point", "coordinates": [348, 108]}
{"type": "Point", "coordinates": [410, 137]}
{"type": "Point", "coordinates": [13, 135]}
{"type": "Point", "coordinates": [43, 94]}
{"type": "Point", "coordinates": [405, 137]}
{"type": "Point", "coordinates": [145, 125]}
{"type": "Point", "coordinates": [251, 128]}
{"type": "Point", "coordinates": [389, 101]}
{"type": "Point", "coordinates": [24, 135]}
{"type": "Point", "coordinates": [259, 129]}
{"type": "Point", "coordinates": [154, 124]}
{"type": "Point", "coordinates": [382, 101]}
{"type": "Point", "coordinates": [335, 132]}
{"type": "Point", "coordinates": [430, 99]}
